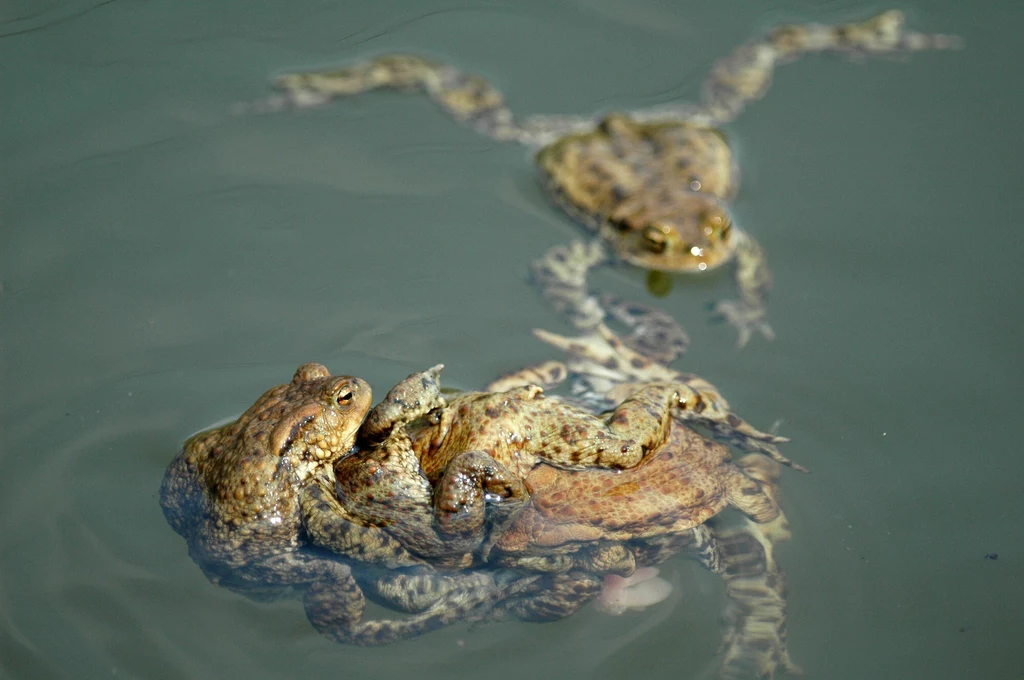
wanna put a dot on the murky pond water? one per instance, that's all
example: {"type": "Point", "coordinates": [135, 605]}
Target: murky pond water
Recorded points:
{"type": "Point", "coordinates": [164, 262]}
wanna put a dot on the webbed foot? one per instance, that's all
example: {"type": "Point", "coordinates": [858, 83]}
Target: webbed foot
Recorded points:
{"type": "Point", "coordinates": [746, 319]}
{"type": "Point", "coordinates": [410, 399]}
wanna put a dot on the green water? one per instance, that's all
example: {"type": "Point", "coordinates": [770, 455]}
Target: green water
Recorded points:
{"type": "Point", "coordinates": [163, 262]}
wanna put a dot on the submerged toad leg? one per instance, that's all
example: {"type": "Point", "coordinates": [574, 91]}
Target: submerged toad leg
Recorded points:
{"type": "Point", "coordinates": [553, 597]}
{"type": "Point", "coordinates": [755, 640]}
{"type": "Point", "coordinates": [654, 333]}
{"type": "Point", "coordinates": [769, 530]}
{"type": "Point", "coordinates": [561, 275]}
{"type": "Point", "coordinates": [754, 643]}
{"type": "Point", "coordinates": [468, 98]}
{"type": "Point", "coordinates": [336, 612]}
{"type": "Point", "coordinates": [417, 589]}
{"type": "Point", "coordinates": [745, 74]}
{"type": "Point", "coordinates": [605, 359]}
{"type": "Point", "coordinates": [754, 280]}
{"type": "Point", "coordinates": [334, 602]}
{"type": "Point", "coordinates": [328, 524]}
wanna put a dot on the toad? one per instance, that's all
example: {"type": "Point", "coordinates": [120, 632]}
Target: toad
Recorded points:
{"type": "Point", "coordinates": [654, 185]}
{"type": "Point", "coordinates": [234, 494]}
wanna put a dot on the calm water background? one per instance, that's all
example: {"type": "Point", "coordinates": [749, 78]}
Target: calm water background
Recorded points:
{"type": "Point", "coordinates": [163, 262]}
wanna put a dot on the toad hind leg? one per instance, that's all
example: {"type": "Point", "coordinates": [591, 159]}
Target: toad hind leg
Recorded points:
{"type": "Point", "coordinates": [553, 597]}
{"type": "Point", "coordinates": [620, 439]}
{"type": "Point", "coordinates": [334, 602]}
{"type": "Point", "coordinates": [754, 643]}
{"type": "Point", "coordinates": [639, 424]}
{"type": "Point", "coordinates": [468, 98]}
{"type": "Point", "coordinates": [416, 590]}
{"type": "Point", "coordinates": [561, 275]}
{"type": "Point", "coordinates": [329, 525]}
{"type": "Point", "coordinates": [755, 640]}
{"type": "Point", "coordinates": [745, 74]}
{"type": "Point", "coordinates": [336, 612]}
{"type": "Point", "coordinates": [547, 375]}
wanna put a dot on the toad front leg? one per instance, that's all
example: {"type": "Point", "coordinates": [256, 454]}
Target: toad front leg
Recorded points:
{"type": "Point", "coordinates": [754, 280]}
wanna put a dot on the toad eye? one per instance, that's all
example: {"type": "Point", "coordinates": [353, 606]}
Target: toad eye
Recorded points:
{"type": "Point", "coordinates": [655, 238]}
{"type": "Point", "coordinates": [345, 398]}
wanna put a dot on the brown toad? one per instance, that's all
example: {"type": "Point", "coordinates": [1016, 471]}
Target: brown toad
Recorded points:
{"type": "Point", "coordinates": [654, 184]}
{"type": "Point", "coordinates": [234, 494]}
{"type": "Point", "coordinates": [233, 491]}
{"type": "Point", "coordinates": [581, 522]}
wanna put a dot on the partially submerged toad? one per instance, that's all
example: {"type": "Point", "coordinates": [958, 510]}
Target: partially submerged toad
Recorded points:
{"type": "Point", "coordinates": [654, 184]}
{"type": "Point", "coordinates": [234, 494]}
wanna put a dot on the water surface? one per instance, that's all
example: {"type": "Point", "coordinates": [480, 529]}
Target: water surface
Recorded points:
{"type": "Point", "coordinates": [164, 262]}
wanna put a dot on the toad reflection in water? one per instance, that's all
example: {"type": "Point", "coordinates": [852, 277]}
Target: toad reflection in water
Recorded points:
{"type": "Point", "coordinates": [654, 184]}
